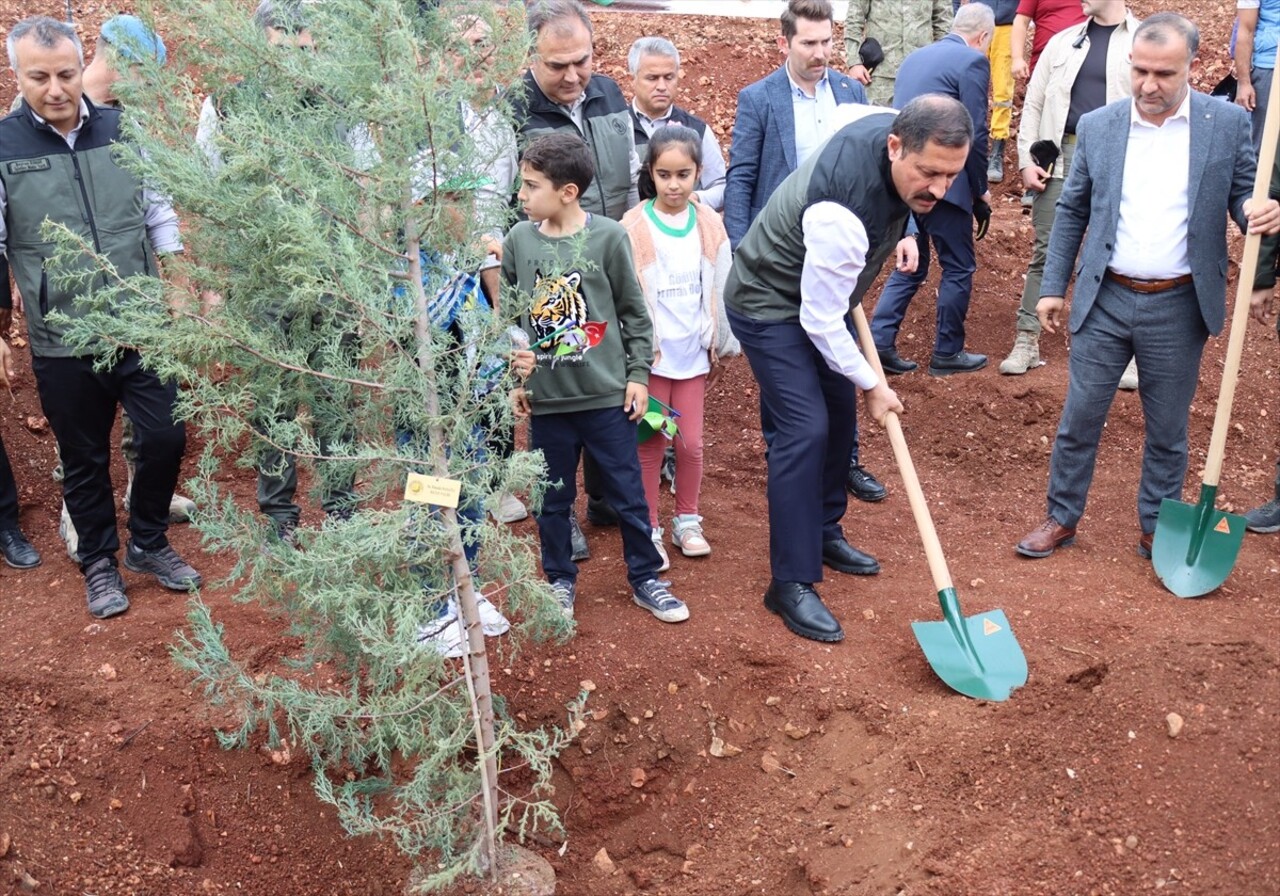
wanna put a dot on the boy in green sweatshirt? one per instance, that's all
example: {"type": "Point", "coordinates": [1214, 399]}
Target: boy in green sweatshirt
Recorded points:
{"type": "Point", "coordinates": [585, 378]}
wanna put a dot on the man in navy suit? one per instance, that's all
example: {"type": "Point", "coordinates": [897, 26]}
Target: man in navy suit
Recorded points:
{"type": "Point", "coordinates": [1151, 184]}
{"type": "Point", "coordinates": [955, 66]}
{"type": "Point", "coordinates": [781, 120]}
{"type": "Point", "coordinates": [783, 117]}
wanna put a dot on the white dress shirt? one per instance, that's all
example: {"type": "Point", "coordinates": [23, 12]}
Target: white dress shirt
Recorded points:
{"type": "Point", "coordinates": [836, 246]}
{"type": "Point", "coordinates": [1151, 235]}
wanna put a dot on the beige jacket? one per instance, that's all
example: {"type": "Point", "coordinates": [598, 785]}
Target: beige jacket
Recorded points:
{"type": "Point", "coordinates": [1048, 99]}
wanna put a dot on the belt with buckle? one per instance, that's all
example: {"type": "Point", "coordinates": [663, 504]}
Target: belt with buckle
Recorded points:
{"type": "Point", "coordinates": [1148, 286]}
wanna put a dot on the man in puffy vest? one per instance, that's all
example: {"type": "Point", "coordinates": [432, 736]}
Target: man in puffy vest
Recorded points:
{"type": "Point", "coordinates": [654, 63]}
{"type": "Point", "coordinates": [560, 92]}
{"type": "Point", "coordinates": [58, 163]}
{"type": "Point", "coordinates": [809, 258]}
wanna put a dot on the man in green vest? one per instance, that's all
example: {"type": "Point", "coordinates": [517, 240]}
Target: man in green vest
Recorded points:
{"type": "Point", "coordinates": [59, 164]}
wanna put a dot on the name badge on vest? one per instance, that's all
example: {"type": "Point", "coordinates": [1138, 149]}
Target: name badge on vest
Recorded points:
{"type": "Point", "coordinates": [22, 166]}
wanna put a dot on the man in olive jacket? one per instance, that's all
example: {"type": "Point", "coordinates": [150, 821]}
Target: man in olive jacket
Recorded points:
{"type": "Point", "coordinates": [560, 92]}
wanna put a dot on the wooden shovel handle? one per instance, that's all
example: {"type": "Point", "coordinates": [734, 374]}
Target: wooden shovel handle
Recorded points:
{"type": "Point", "coordinates": [915, 494]}
{"type": "Point", "coordinates": [1240, 314]}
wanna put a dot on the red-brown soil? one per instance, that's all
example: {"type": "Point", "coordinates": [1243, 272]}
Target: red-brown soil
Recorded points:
{"type": "Point", "coordinates": [859, 773]}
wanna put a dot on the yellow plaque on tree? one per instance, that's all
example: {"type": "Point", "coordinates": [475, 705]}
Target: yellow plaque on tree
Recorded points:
{"type": "Point", "coordinates": [432, 490]}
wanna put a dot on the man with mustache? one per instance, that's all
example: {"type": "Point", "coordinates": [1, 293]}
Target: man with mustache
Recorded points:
{"type": "Point", "coordinates": [1153, 180]}
{"type": "Point", "coordinates": [808, 259]}
{"type": "Point", "coordinates": [781, 120]}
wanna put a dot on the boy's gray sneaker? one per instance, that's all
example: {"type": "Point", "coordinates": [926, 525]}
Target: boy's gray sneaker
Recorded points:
{"type": "Point", "coordinates": [656, 597]}
{"type": "Point", "coordinates": [104, 590]}
{"type": "Point", "coordinates": [564, 592]}
{"type": "Point", "coordinates": [170, 570]}
{"type": "Point", "coordinates": [1264, 519]}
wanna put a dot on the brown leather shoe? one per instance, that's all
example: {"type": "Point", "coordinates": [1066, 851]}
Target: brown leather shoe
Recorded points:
{"type": "Point", "coordinates": [1144, 545]}
{"type": "Point", "coordinates": [1045, 538]}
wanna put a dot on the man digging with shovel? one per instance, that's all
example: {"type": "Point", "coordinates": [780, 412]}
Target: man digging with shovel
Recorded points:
{"type": "Point", "coordinates": [808, 258]}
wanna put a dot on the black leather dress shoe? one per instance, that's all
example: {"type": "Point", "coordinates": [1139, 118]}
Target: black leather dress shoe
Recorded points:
{"type": "Point", "coordinates": [960, 362]}
{"type": "Point", "coordinates": [802, 611]}
{"type": "Point", "coordinates": [18, 552]}
{"type": "Point", "coordinates": [599, 513]}
{"type": "Point", "coordinates": [844, 557]}
{"type": "Point", "coordinates": [864, 486]}
{"type": "Point", "coordinates": [893, 363]}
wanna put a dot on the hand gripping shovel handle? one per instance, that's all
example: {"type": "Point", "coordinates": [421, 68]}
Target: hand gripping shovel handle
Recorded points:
{"type": "Point", "coordinates": [1240, 314]}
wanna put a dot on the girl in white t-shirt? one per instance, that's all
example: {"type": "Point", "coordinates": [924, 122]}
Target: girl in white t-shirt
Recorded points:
{"type": "Point", "coordinates": [682, 261]}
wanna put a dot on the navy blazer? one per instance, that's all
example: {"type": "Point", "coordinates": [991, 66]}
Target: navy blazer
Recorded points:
{"type": "Point", "coordinates": [1088, 211]}
{"type": "Point", "coordinates": [953, 68]}
{"type": "Point", "coordinates": [763, 152]}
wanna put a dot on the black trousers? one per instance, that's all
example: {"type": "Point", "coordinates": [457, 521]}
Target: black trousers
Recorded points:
{"type": "Point", "coordinates": [81, 403]}
{"type": "Point", "coordinates": [8, 492]}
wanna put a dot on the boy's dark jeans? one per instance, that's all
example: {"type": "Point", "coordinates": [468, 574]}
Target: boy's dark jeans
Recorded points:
{"type": "Point", "coordinates": [610, 438]}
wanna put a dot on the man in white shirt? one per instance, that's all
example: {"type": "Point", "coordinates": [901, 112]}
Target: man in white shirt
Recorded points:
{"type": "Point", "coordinates": [808, 258]}
{"type": "Point", "coordinates": [1256, 42]}
{"type": "Point", "coordinates": [1152, 181]}
{"type": "Point", "coordinates": [654, 63]}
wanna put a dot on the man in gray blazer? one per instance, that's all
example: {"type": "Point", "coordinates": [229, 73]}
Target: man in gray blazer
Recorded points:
{"type": "Point", "coordinates": [1150, 187]}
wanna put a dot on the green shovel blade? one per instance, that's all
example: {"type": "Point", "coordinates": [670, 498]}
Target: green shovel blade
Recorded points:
{"type": "Point", "coordinates": [977, 656]}
{"type": "Point", "coordinates": [1196, 545]}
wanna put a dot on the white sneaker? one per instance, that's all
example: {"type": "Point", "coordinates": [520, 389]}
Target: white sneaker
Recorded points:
{"type": "Point", "coordinates": [67, 530]}
{"type": "Point", "coordinates": [444, 634]}
{"type": "Point", "coordinates": [492, 622]}
{"type": "Point", "coordinates": [686, 534]}
{"type": "Point", "coordinates": [509, 509]}
{"type": "Point", "coordinates": [656, 535]}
